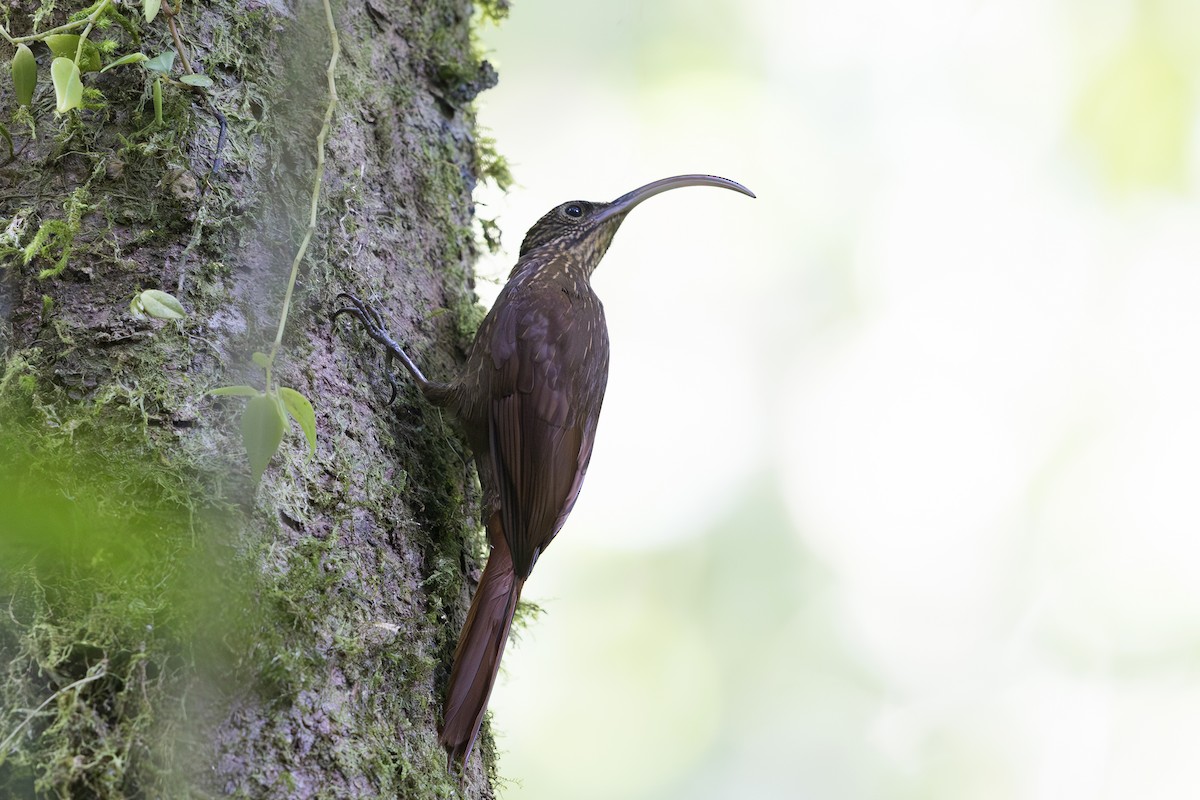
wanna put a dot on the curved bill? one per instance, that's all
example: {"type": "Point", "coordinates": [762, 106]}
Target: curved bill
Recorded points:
{"type": "Point", "coordinates": [627, 201]}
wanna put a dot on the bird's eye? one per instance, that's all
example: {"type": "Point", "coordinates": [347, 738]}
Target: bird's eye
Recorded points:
{"type": "Point", "coordinates": [573, 211]}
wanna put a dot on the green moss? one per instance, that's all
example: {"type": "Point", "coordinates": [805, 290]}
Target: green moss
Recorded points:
{"type": "Point", "coordinates": [56, 237]}
{"type": "Point", "coordinates": [100, 564]}
{"type": "Point", "coordinates": [493, 11]}
{"type": "Point", "coordinates": [299, 597]}
{"type": "Point", "coordinates": [490, 165]}
{"type": "Point", "coordinates": [44, 10]}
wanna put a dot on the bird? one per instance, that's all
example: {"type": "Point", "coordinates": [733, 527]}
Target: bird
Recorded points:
{"type": "Point", "coordinates": [528, 401]}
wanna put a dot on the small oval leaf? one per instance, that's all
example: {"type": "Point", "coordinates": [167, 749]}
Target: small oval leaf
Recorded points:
{"type": "Point", "coordinates": [63, 45]}
{"type": "Point", "coordinates": [132, 58]}
{"type": "Point", "coordinates": [161, 63]}
{"type": "Point", "coordinates": [150, 9]}
{"type": "Point", "coordinates": [302, 411]}
{"type": "Point", "coordinates": [161, 305]}
{"type": "Point", "coordinates": [68, 88]}
{"type": "Point", "coordinates": [235, 391]}
{"type": "Point", "coordinates": [24, 72]}
{"type": "Point", "coordinates": [196, 79]}
{"type": "Point", "coordinates": [262, 431]}
{"type": "Point", "coordinates": [66, 45]}
{"type": "Point", "coordinates": [262, 359]}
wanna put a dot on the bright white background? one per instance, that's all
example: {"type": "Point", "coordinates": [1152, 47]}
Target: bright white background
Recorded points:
{"type": "Point", "coordinates": [895, 493]}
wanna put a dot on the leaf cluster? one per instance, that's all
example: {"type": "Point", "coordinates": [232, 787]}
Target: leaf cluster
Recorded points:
{"type": "Point", "coordinates": [265, 418]}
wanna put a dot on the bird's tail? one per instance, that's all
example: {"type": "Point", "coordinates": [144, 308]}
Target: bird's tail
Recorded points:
{"type": "Point", "coordinates": [477, 657]}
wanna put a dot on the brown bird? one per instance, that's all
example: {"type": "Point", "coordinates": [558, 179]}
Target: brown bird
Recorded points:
{"type": "Point", "coordinates": [528, 399]}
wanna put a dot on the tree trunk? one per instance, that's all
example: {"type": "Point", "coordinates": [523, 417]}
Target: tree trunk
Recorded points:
{"type": "Point", "coordinates": [167, 627]}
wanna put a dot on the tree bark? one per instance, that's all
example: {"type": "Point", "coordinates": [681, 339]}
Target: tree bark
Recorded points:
{"type": "Point", "coordinates": [167, 628]}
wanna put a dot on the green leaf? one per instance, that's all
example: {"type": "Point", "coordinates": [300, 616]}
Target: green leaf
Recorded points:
{"type": "Point", "coordinates": [161, 63]}
{"type": "Point", "coordinates": [132, 58]}
{"type": "Point", "coordinates": [196, 79]}
{"type": "Point", "coordinates": [24, 72]}
{"type": "Point", "coordinates": [302, 411]}
{"type": "Point", "coordinates": [263, 424]}
{"type": "Point", "coordinates": [274, 395]}
{"type": "Point", "coordinates": [262, 359]}
{"type": "Point", "coordinates": [68, 88]}
{"type": "Point", "coordinates": [150, 9]}
{"type": "Point", "coordinates": [161, 305]}
{"type": "Point", "coordinates": [158, 101]}
{"type": "Point", "coordinates": [235, 391]}
{"type": "Point", "coordinates": [66, 45]}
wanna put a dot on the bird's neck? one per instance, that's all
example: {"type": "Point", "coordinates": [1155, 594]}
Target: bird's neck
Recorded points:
{"type": "Point", "coordinates": [547, 266]}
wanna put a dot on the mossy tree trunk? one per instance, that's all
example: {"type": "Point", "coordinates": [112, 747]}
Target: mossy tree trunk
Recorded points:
{"type": "Point", "coordinates": [168, 629]}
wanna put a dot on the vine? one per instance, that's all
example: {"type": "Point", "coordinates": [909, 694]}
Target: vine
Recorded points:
{"type": "Point", "coordinates": [265, 417]}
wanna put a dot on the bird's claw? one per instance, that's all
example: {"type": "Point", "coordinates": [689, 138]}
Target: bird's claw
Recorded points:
{"type": "Point", "coordinates": [372, 322]}
{"type": "Point", "coordinates": [370, 317]}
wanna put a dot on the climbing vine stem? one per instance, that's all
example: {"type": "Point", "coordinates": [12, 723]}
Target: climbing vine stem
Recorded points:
{"type": "Point", "coordinates": [91, 20]}
{"type": "Point", "coordinates": [265, 416]}
{"type": "Point", "coordinates": [317, 179]}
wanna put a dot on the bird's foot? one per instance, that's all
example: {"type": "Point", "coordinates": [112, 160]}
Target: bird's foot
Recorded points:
{"type": "Point", "coordinates": [372, 322]}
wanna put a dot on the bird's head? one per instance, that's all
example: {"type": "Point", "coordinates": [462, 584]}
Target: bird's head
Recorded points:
{"type": "Point", "coordinates": [585, 229]}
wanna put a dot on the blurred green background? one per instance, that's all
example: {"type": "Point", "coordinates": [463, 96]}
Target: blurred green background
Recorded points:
{"type": "Point", "coordinates": [894, 494]}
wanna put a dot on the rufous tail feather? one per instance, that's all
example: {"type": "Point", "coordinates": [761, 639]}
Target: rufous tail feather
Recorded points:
{"type": "Point", "coordinates": [477, 657]}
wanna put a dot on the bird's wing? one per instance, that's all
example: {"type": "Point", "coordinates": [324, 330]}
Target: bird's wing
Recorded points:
{"type": "Point", "coordinates": [545, 401]}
